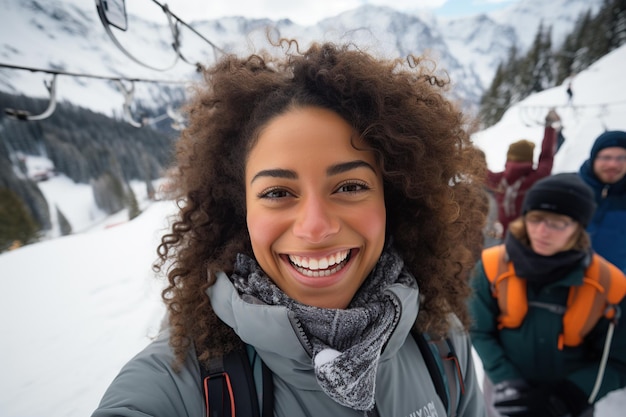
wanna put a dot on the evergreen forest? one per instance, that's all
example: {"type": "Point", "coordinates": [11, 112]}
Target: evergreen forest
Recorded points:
{"type": "Point", "coordinates": [85, 146]}
{"type": "Point", "coordinates": [545, 65]}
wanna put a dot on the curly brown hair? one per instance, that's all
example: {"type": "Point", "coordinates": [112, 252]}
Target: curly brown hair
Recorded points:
{"type": "Point", "coordinates": [432, 175]}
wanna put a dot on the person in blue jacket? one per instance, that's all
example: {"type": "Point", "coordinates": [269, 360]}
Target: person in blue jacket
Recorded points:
{"type": "Point", "coordinates": [605, 173]}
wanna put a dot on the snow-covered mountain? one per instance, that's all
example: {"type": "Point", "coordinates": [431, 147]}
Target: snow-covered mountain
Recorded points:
{"type": "Point", "coordinates": [74, 309]}
{"type": "Point", "coordinates": [66, 35]}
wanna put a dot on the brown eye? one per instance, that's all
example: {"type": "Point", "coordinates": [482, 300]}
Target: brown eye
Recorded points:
{"type": "Point", "coordinates": [352, 187]}
{"type": "Point", "coordinates": [273, 194]}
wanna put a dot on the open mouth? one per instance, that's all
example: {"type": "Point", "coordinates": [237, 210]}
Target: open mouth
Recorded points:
{"type": "Point", "coordinates": [320, 267]}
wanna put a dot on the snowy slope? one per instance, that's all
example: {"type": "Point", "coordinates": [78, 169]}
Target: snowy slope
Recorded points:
{"type": "Point", "coordinates": [73, 310]}
{"type": "Point", "coordinates": [599, 104]}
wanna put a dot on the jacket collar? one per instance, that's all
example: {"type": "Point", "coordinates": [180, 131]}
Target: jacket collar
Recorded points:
{"type": "Point", "coordinates": [274, 334]}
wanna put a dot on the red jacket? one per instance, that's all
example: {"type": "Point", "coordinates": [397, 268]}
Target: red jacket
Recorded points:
{"type": "Point", "coordinates": [510, 186]}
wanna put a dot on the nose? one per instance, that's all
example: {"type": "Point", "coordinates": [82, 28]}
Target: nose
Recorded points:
{"type": "Point", "coordinates": [315, 220]}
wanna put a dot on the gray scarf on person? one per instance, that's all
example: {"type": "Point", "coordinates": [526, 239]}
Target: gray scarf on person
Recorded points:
{"type": "Point", "coordinates": [346, 343]}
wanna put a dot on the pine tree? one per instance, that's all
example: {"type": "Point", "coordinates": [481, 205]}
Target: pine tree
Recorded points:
{"type": "Point", "coordinates": [492, 105]}
{"type": "Point", "coordinates": [501, 93]}
{"type": "Point", "coordinates": [109, 193]}
{"type": "Point", "coordinates": [64, 224]}
{"type": "Point", "coordinates": [133, 206]}
{"type": "Point", "coordinates": [616, 23]}
{"type": "Point", "coordinates": [17, 226]}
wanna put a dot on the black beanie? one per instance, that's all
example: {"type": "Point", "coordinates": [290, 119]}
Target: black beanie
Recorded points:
{"type": "Point", "coordinates": [564, 193]}
{"type": "Point", "coordinates": [609, 139]}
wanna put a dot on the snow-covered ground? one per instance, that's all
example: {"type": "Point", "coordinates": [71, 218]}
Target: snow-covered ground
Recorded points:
{"type": "Point", "coordinates": [74, 309]}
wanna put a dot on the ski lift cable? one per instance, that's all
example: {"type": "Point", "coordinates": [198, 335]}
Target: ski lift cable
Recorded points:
{"type": "Point", "coordinates": [176, 35]}
{"type": "Point", "coordinates": [564, 106]}
{"type": "Point", "coordinates": [128, 94]}
{"type": "Point", "coordinates": [83, 75]}
{"type": "Point", "coordinates": [100, 7]}
{"type": "Point", "coordinates": [145, 121]}
{"type": "Point", "coordinates": [25, 115]}
{"type": "Point", "coordinates": [107, 28]}
{"type": "Point", "coordinates": [169, 12]}
{"type": "Point", "coordinates": [525, 111]}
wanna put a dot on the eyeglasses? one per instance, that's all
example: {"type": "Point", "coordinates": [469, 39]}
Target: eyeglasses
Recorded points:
{"type": "Point", "coordinates": [608, 158]}
{"type": "Point", "coordinates": [551, 223]}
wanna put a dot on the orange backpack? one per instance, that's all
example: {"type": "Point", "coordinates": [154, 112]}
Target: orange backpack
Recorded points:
{"type": "Point", "coordinates": [603, 287]}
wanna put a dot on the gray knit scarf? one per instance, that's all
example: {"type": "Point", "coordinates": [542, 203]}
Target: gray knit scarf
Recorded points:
{"type": "Point", "coordinates": [346, 344]}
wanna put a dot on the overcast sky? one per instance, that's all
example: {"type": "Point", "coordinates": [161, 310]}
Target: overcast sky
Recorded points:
{"type": "Point", "coordinates": [303, 13]}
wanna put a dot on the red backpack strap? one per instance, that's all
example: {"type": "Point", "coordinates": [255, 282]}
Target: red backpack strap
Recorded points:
{"type": "Point", "coordinates": [218, 390]}
{"type": "Point", "coordinates": [230, 389]}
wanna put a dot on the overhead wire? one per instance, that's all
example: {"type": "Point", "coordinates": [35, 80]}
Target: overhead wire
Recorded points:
{"type": "Point", "coordinates": [173, 23]}
{"type": "Point", "coordinates": [127, 92]}
{"type": "Point", "coordinates": [101, 77]}
{"type": "Point", "coordinates": [169, 12]}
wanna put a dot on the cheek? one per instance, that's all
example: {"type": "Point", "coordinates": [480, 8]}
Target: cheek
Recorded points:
{"type": "Point", "coordinates": [260, 228]}
{"type": "Point", "coordinates": [372, 223]}
{"type": "Point", "coordinates": [265, 229]}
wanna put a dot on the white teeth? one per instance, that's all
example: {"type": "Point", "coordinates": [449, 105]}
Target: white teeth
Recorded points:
{"type": "Point", "coordinates": [319, 266]}
{"type": "Point", "coordinates": [323, 273]}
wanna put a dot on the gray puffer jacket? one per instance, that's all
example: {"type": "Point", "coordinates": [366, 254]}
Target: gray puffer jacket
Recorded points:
{"type": "Point", "coordinates": [148, 386]}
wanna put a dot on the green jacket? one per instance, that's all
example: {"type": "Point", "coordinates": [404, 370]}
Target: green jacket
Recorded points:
{"type": "Point", "coordinates": [531, 352]}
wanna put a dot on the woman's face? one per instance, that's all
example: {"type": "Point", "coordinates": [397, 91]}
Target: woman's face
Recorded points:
{"type": "Point", "coordinates": [549, 233]}
{"type": "Point", "coordinates": [315, 207]}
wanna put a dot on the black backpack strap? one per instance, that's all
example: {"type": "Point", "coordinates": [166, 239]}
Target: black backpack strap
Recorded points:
{"type": "Point", "coordinates": [263, 380]}
{"type": "Point", "coordinates": [268, 391]}
{"type": "Point", "coordinates": [444, 369]}
{"type": "Point", "coordinates": [229, 386]}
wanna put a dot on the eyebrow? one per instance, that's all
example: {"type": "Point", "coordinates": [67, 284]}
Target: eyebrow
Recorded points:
{"type": "Point", "coordinates": [347, 166]}
{"type": "Point", "coordinates": [332, 170]}
{"type": "Point", "coordinates": [275, 173]}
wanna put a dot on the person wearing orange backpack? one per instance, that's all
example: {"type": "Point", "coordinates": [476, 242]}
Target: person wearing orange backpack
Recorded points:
{"type": "Point", "coordinates": [546, 309]}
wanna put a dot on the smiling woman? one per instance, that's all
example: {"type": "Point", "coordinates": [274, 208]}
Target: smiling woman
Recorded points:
{"type": "Point", "coordinates": [331, 205]}
{"type": "Point", "coordinates": [317, 227]}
